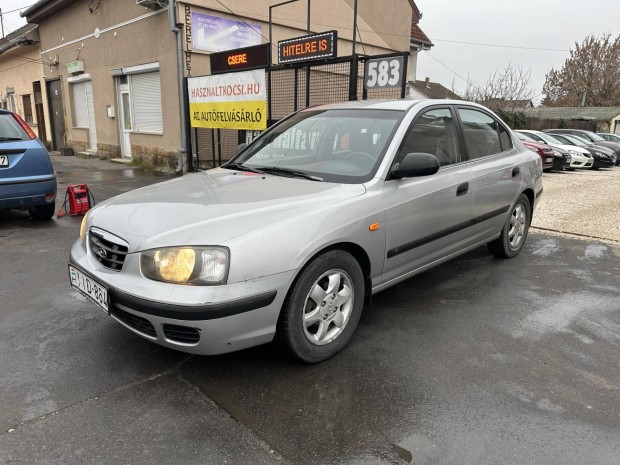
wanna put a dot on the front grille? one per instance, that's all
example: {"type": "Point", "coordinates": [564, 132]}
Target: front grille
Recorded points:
{"type": "Point", "coordinates": [183, 334]}
{"type": "Point", "coordinates": [133, 321]}
{"type": "Point", "coordinates": [108, 253]}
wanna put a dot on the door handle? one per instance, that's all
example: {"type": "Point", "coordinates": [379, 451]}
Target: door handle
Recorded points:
{"type": "Point", "coordinates": [515, 171]}
{"type": "Point", "coordinates": [462, 189]}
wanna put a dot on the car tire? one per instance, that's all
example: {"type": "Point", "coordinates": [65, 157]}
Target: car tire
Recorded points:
{"type": "Point", "coordinates": [42, 212]}
{"type": "Point", "coordinates": [323, 307]}
{"type": "Point", "coordinates": [514, 231]}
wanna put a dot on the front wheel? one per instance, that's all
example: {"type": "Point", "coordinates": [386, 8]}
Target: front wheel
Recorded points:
{"type": "Point", "coordinates": [514, 231]}
{"type": "Point", "coordinates": [323, 307]}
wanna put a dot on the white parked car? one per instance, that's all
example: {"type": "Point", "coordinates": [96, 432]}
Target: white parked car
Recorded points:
{"type": "Point", "coordinates": [580, 157]}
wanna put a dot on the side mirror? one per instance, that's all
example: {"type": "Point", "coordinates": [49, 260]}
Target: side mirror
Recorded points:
{"type": "Point", "coordinates": [240, 147]}
{"type": "Point", "coordinates": [415, 164]}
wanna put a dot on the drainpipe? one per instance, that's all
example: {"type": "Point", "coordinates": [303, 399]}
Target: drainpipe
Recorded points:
{"type": "Point", "coordinates": [183, 107]}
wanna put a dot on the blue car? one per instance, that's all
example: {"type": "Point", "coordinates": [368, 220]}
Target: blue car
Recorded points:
{"type": "Point", "coordinates": [27, 179]}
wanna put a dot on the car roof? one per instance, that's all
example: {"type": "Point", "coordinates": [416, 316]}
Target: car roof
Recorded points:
{"type": "Point", "coordinates": [401, 104]}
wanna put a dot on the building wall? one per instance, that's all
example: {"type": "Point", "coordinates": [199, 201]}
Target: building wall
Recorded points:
{"type": "Point", "coordinates": [378, 27]}
{"type": "Point", "coordinates": [19, 73]}
{"type": "Point", "coordinates": [141, 41]}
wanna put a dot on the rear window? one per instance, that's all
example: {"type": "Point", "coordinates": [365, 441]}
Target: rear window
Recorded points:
{"type": "Point", "coordinates": [10, 130]}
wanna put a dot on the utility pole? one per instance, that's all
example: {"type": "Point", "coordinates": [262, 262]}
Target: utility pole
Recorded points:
{"type": "Point", "coordinates": [2, 22]}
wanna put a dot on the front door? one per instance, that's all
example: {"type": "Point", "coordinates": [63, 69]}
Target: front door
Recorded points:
{"type": "Point", "coordinates": [125, 120]}
{"type": "Point", "coordinates": [428, 216]}
{"type": "Point", "coordinates": [57, 121]}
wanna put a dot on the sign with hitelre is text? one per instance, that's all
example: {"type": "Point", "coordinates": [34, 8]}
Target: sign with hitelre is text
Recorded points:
{"type": "Point", "coordinates": [240, 59]}
{"type": "Point", "coordinates": [306, 48]}
{"type": "Point", "coordinates": [228, 101]}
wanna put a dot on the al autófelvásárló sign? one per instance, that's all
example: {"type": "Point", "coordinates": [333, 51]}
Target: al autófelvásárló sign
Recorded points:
{"type": "Point", "coordinates": [228, 101]}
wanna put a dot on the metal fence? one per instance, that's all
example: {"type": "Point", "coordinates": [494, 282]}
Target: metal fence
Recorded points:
{"type": "Point", "coordinates": [291, 88]}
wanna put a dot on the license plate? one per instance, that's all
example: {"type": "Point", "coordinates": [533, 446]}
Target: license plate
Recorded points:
{"type": "Point", "coordinates": [4, 160]}
{"type": "Point", "coordinates": [89, 287]}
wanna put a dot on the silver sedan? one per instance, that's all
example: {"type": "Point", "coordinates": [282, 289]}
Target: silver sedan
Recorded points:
{"type": "Point", "coordinates": [291, 238]}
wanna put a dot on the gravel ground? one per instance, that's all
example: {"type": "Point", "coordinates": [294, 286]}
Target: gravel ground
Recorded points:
{"type": "Point", "coordinates": [581, 203]}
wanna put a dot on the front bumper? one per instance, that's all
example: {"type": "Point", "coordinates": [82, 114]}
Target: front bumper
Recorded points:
{"type": "Point", "coordinates": [600, 162]}
{"type": "Point", "coordinates": [204, 320]}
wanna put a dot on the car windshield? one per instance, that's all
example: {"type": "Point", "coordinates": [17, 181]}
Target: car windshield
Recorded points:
{"type": "Point", "coordinates": [593, 136]}
{"type": "Point", "coordinates": [10, 130]}
{"type": "Point", "coordinates": [524, 137]}
{"type": "Point", "coordinates": [554, 139]}
{"type": "Point", "coordinates": [547, 138]}
{"type": "Point", "coordinates": [574, 140]}
{"type": "Point", "coordinates": [344, 146]}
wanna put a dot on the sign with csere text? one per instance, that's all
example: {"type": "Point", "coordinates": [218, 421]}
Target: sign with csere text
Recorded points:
{"type": "Point", "coordinates": [240, 59]}
{"type": "Point", "coordinates": [306, 48]}
{"type": "Point", "coordinates": [228, 101]}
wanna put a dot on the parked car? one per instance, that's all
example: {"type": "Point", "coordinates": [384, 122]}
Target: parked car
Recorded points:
{"type": "Point", "coordinates": [580, 157]}
{"type": "Point", "coordinates": [609, 136]}
{"type": "Point", "coordinates": [602, 156]}
{"type": "Point", "coordinates": [291, 238]}
{"type": "Point", "coordinates": [545, 151]}
{"type": "Point", "coordinates": [591, 137]}
{"type": "Point", "coordinates": [27, 179]}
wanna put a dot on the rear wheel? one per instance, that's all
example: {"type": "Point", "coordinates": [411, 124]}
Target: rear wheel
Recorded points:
{"type": "Point", "coordinates": [515, 230]}
{"type": "Point", "coordinates": [42, 212]}
{"type": "Point", "coordinates": [323, 307]}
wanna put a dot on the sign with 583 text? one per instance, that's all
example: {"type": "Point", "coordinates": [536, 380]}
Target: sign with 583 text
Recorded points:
{"type": "Point", "coordinates": [228, 101]}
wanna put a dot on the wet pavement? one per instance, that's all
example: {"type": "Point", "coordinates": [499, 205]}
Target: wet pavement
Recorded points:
{"type": "Point", "coordinates": [478, 361]}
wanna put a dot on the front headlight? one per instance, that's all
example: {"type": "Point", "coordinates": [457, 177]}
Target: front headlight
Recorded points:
{"type": "Point", "coordinates": [83, 228]}
{"type": "Point", "coordinates": [574, 153]}
{"type": "Point", "coordinates": [201, 266]}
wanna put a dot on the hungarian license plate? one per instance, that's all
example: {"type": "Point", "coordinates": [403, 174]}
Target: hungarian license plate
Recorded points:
{"type": "Point", "coordinates": [89, 287]}
{"type": "Point", "coordinates": [4, 160]}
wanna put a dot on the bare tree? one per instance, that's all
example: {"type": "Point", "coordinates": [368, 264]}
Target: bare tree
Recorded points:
{"type": "Point", "coordinates": [589, 77]}
{"type": "Point", "coordinates": [508, 88]}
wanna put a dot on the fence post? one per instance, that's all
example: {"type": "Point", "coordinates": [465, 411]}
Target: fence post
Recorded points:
{"type": "Point", "coordinates": [353, 78]}
{"type": "Point", "coordinates": [404, 85]}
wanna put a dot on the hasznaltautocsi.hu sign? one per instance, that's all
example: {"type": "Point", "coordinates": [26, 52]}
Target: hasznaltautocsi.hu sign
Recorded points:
{"type": "Point", "coordinates": [229, 101]}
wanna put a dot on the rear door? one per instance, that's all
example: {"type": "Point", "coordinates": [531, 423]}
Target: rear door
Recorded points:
{"type": "Point", "coordinates": [496, 169]}
{"type": "Point", "coordinates": [428, 216]}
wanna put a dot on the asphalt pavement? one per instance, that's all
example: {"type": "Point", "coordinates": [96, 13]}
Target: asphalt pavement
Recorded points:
{"type": "Point", "coordinates": [478, 361]}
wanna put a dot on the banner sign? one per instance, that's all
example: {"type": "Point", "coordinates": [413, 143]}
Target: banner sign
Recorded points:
{"type": "Point", "coordinates": [384, 72]}
{"type": "Point", "coordinates": [240, 58]}
{"type": "Point", "coordinates": [308, 48]}
{"type": "Point", "coordinates": [214, 34]}
{"type": "Point", "coordinates": [228, 101]}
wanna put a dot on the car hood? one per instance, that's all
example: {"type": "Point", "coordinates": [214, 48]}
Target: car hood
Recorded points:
{"type": "Point", "coordinates": [211, 207]}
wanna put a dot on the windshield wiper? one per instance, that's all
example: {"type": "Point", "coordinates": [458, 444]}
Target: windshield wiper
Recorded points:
{"type": "Point", "coordinates": [242, 167]}
{"type": "Point", "coordinates": [275, 170]}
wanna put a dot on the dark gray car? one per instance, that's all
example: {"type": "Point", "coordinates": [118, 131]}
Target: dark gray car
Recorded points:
{"type": "Point", "coordinates": [591, 137]}
{"type": "Point", "coordinates": [294, 235]}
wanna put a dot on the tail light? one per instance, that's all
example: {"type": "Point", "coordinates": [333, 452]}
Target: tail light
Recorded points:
{"type": "Point", "coordinates": [25, 126]}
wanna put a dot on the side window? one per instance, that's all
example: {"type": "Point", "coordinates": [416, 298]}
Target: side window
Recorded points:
{"type": "Point", "coordinates": [434, 132]}
{"type": "Point", "coordinates": [481, 133]}
{"type": "Point", "coordinates": [504, 138]}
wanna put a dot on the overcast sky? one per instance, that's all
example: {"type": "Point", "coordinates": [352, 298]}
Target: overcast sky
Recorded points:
{"type": "Point", "coordinates": [541, 24]}
{"type": "Point", "coordinates": [536, 24]}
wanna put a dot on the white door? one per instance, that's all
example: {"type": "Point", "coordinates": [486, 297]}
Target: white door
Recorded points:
{"type": "Point", "coordinates": [92, 129]}
{"type": "Point", "coordinates": [125, 120]}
